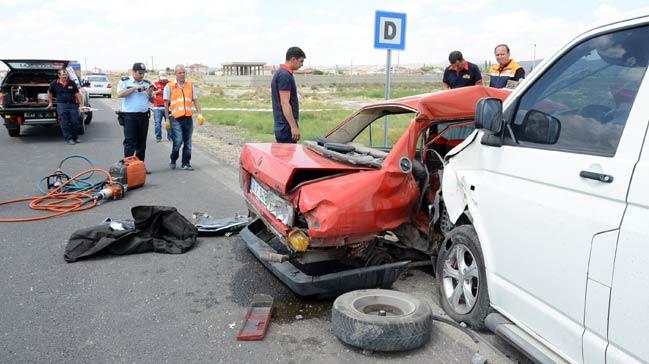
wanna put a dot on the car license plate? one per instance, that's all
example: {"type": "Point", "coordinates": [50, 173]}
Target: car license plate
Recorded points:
{"type": "Point", "coordinates": [258, 191]}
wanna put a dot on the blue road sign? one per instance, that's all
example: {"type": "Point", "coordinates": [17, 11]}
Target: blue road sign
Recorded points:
{"type": "Point", "coordinates": [390, 30]}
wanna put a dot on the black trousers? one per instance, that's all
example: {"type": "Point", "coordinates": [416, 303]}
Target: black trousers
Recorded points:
{"type": "Point", "coordinates": [136, 127]}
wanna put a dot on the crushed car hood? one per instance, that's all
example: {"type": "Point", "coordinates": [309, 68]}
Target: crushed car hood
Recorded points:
{"type": "Point", "coordinates": [284, 166]}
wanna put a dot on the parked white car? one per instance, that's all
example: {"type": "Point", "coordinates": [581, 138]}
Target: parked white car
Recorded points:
{"type": "Point", "coordinates": [549, 199]}
{"type": "Point", "coordinates": [98, 85]}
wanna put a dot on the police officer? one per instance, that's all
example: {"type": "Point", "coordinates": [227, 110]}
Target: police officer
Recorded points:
{"type": "Point", "coordinates": [137, 93]}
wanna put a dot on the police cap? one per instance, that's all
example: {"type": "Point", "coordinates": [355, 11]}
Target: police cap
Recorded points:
{"type": "Point", "coordinates": [138, 66]}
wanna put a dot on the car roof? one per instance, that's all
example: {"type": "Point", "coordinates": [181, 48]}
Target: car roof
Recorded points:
{"type": "Point", "coordinates": [452, 104]}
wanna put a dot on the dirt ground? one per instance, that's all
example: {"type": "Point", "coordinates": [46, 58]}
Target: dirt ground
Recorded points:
{"type": "Point", "coordinates": [222, 142]}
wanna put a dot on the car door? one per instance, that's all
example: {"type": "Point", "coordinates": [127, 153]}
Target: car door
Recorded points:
{"type": "Point", "coordinates": [541, 206]}
{"type": "Point", "coordinates": [629, 311]}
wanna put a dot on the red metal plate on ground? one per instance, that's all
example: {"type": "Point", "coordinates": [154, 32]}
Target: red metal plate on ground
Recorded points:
{"type": "Point", "coordinates": [257, 318]}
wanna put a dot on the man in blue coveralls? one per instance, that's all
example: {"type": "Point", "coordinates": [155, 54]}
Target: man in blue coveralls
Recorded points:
{"type": "Point", "coordinates": [136, 92]}
{"type": "Point", "coordinates": [286, 111]}
{"type": "Point", "coordinates": [68, 101]}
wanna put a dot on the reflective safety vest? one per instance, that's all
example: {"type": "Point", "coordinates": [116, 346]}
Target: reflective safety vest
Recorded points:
{"type": "Point", "coordinates": [499, 77]}
{"type": "Point", "coordinates": [180, 99]}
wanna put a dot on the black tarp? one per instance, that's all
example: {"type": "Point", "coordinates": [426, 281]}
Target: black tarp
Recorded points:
{"type": "Point", "coordinates": [161, 229]}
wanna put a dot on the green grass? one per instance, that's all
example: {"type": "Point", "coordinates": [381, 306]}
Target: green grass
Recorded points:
{"type": "Point", "coordinates": [258, 126]}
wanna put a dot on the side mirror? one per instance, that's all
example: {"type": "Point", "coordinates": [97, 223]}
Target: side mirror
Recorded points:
{"type": "Point", "coordinates": [489, 115]}
{"type": "Point", "coordinates": [86, 84]}
{"type": "Point", "coordinates": [539, 127]}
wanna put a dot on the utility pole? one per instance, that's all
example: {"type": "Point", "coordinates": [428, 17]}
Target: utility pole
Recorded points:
{"type": "Point", "coordinates": [152, 67]}
{"type": "Point", "coordinates": [534, 57]}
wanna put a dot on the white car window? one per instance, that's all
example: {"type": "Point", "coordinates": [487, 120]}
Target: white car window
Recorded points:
{"type": "Point", "coordinates": [590, 90]}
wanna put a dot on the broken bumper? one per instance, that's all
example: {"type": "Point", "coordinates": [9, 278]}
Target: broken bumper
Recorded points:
{"type": "Point", "coordinates": [329, 284]}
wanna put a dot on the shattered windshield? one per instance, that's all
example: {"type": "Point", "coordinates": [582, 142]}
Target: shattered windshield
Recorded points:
{"type": "Point", "coordinates": [362, 139]}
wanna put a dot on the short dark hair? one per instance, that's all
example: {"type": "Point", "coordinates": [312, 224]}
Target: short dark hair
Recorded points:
{"type": "Point", "coordinates": [455, 56]}
{"type": "Point", "coordinates": [502, 45]}
{"type": "Point", "coordinates": [295, 52]}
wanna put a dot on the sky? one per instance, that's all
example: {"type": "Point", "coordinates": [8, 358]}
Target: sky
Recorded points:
{"type": "Point", "coordinates": [114, 34]}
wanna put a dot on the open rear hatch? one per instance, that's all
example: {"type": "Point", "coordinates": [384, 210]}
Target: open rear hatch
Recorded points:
{"type": "Point", "coordinates": [35, 64]}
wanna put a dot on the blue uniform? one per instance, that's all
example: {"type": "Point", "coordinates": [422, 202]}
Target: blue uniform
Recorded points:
{"type": "Point", "coordinates": [137, 101]}
{"type": "Point", "coordinates": [136, 117]}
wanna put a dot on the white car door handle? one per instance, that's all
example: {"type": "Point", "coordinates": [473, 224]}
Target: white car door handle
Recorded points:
{"type": "Point", "coordinates": [606, 178]}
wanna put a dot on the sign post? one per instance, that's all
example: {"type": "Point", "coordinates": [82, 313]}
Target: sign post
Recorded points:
{"type": "Point", "coordinates": [389, 34]}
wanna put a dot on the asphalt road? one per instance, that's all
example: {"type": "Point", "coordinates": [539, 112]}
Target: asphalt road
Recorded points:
{"type": "Point", "coordinates": [158, 308]}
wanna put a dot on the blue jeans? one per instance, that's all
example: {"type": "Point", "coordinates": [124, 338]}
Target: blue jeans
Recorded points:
{"type": "Point", "coordinates": [69, 120]}
{"type": "Point", "coordinates": [182, 134]}
{"type": "Point", "coordinates": [158, 116]}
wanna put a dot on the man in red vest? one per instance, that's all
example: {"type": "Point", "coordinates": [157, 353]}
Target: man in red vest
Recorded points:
{"type": "Point", "coordinates": [179, 95]}
{"type": "Point", "coordinates": [159, 107]}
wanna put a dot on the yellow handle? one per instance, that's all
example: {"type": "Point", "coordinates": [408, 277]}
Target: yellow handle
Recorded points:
{"type": "Point", "coordinates": [167, 125]}
{"type": "Point", "coordinates": [200, 119]}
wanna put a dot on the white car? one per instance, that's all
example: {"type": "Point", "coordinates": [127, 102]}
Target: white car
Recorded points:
{"type": "Point", "coordinates": [98, 85]}
{"type": "Point", "coordinates": [549, 199]}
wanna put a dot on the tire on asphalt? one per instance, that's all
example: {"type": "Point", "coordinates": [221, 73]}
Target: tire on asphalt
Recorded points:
{"type": "Point", "coordinates": [88, 118]}
{"type": "Point", "coordinates": [356, 320]}
{"type": "Point", "coordinates": [14, 132]}
{"type": "Point", "coordinates": [461, 252]}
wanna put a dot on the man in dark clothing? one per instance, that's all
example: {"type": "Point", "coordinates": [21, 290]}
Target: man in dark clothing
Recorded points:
{"type": "Point", "coordinates": [461, 73]}
{"type": "Point", "coordinates": [284, 95]}
{"type": "Point", "coordinates": [68, 102]}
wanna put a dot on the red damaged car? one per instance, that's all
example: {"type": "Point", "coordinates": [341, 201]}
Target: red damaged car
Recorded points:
{"type": "Point", "coordinates": [339, 213]}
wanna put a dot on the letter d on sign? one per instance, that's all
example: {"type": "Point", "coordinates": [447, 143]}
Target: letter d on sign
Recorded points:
{"type": "Point", "coordinates": [389, 30]}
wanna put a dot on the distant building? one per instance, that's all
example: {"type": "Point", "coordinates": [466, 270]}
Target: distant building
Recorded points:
{"type": "Point", "coordinates": [305, 71]}
{"type": "Point", "coordinates": [243, 68]}
{"type": "Point", "coordinates": [197, 68]}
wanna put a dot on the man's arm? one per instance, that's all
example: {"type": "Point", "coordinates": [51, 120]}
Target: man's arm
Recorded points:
{"type": "Point", "coordinates": [287, 110]}
{"type": "Point", "coordinates": [166, 95]}
{"type": "Point", "coordinates": [520, 73]}
{"type": "Point", "coordinates": [79, 99]}
{"type": "Point", "coordinates": [197, 105]}
{"type": "Point", "coordinates": [50, 101]}
{"type": "Point", "coordinates": [123, 91]}
{"type": "Point", "coordinates": [478, 77]}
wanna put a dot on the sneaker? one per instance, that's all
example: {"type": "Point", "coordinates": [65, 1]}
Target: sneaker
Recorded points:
{"type": "Point", "coordinates": [188, 167]}
{"type": "Point", "coordinates": [172, 165]}
{"type": "Point", "coordinates": [71, 142]}
{"type": "Point", "coordinates": [76, 140]}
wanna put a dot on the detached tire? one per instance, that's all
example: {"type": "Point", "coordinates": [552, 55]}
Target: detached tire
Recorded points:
{"type": "Point", "coordinates": [381, 320]}
{"type": "Point", "coordinates": [14, 132]}
{"type": "Point", "coordinates": [461, 277]}
{"type": "Point", "coordinates": [88, 118]}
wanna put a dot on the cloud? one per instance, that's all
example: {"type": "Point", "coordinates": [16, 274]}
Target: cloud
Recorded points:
{"type": "Point", "coordinates": [117, 33]}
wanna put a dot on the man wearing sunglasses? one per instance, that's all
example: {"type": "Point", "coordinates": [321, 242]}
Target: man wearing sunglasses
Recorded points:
{"type": "Point", "coordinates": [136, 93]}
